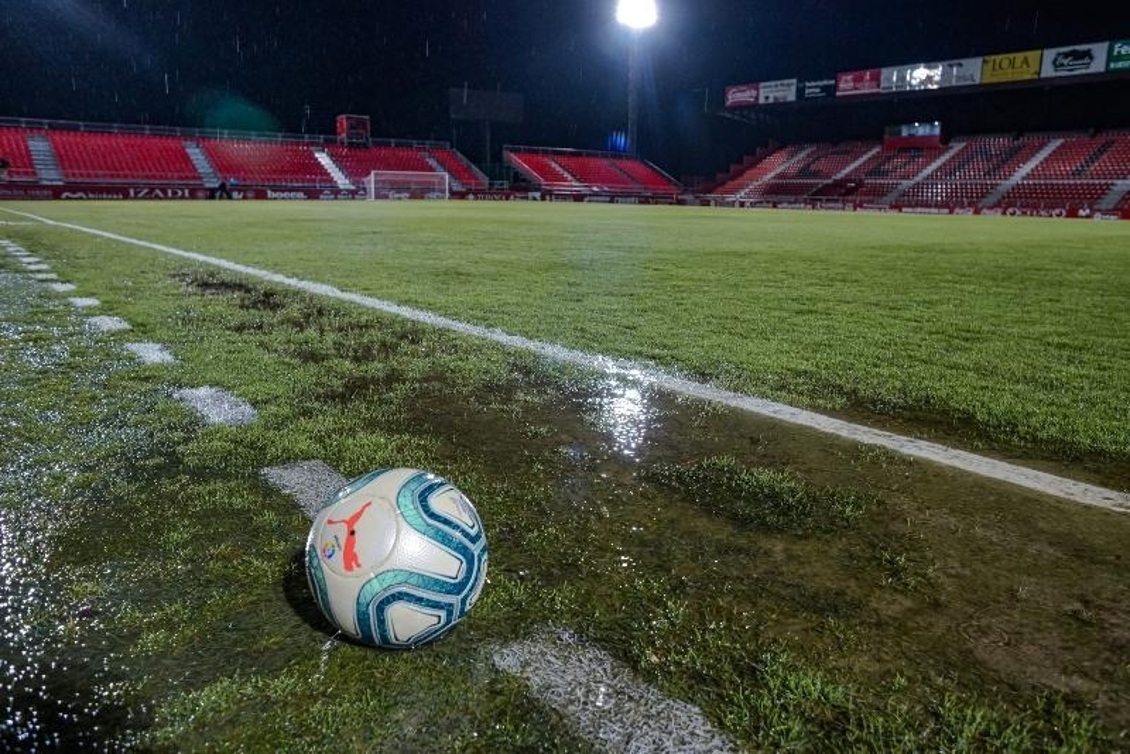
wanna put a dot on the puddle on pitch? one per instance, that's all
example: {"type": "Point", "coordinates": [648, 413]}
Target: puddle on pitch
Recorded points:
{"type": "Point", "coordinates": [61, 684]}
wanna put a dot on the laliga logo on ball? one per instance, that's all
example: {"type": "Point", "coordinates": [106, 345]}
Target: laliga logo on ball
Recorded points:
{"type": "Point", "coordinates": [397, 558]}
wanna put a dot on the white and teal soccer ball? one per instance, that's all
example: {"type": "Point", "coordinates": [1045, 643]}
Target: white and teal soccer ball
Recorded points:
{"type": "Point", "coordinates": [397, 558]}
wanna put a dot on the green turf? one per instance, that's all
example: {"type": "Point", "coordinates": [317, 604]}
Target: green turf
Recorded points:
{"type": "Point", "coordinates": [995, 333]}
{"type": "Point", "coordinates": [805, 592]}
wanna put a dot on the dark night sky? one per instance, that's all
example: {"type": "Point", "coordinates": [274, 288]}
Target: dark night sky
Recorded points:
{"type": "Point", "coordinates": [264, 62]}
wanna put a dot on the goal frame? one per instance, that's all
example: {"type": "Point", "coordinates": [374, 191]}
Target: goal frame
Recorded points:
{"type": "Point", "coordinates": [407, 184]}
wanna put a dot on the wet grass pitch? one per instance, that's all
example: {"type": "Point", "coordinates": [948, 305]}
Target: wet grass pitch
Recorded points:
{"type": "Point", "coordinates": [805, 592]}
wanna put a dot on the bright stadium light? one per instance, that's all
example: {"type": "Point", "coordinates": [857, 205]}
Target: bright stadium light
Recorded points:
{"type": "Point", "coordinates": [637, 14]}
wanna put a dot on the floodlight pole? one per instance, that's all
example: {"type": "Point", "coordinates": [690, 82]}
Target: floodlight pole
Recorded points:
{"type": "Point", "coordinates": [634, 92]}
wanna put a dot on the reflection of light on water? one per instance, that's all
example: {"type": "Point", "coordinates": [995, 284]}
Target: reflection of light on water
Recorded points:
{"type": "Point", "coordinates": [624, 414]}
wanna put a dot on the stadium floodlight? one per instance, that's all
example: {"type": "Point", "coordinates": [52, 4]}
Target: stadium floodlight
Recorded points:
{"type": "Point", "coordinates": [637, 14]}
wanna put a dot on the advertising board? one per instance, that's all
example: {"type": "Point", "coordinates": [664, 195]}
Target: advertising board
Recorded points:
{"type": "Point", "coordinates": [1014, 66]}
{"type": "Point", "coordinates": [774, 92]}
{"type": "Point", "coordinates": [912, 78]}
{"type": "Point", "coordinates": [1118, 58]}
{"type": "Point", "coordinates": [742, 95]}
{"type": "Point", "coordinates": [855, 83]}
{"type": "Point", "coordinates": [818, 89]}
{"type": "Point", "coordinates": [1076, 60]}
{"type": "Point", "coordinates": [963, 72]}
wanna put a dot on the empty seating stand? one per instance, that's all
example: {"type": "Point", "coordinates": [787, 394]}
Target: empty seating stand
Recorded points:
{"type": "Point", "coordinates": [459, 169]}
{"type": "Point", "coordinates": [357, 162]}
{"type": "Point", "coordinates": [122, 158]}
{"type": "Point", "coordinates": [267, 163]}
{"type": "Point", "coordinates": [1079, 172]}
{"type": "Point", "coordinates": [588, 173]}
{"type": "Point", "coordinates": [14, 149]}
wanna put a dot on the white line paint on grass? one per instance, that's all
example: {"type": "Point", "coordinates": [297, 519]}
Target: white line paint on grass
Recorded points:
{"type": "Point", "coordinates": [37, 267]}
{"type": "Point", "coordinates": [27, 261]}
{"type": "Point", "coordinates": [108, 324]}
{"type": "Point", "coordinates": [310, 483]}
{"type": "Point", "coordinates": [1039, 481]}
{"type": "Point", "coordinates": [61, 287]}
{"type": "Point", "coordinates": [84, 303]}
{"type": "Point", "coordinates": [603, 701]}
{"type": "Point", "coordinates": [150, 353]}
{"type": "Point", "coordinates": [44, 277]}
{"type": "Point", "coordinates": [217, 406]}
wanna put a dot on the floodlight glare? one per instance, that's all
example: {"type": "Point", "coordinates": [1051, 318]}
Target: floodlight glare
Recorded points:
{"type": "Point", "coordinates": [637, 14]}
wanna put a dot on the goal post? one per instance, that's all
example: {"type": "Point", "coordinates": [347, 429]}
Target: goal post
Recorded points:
{"type": "Point", "coordinates": [403, 184]}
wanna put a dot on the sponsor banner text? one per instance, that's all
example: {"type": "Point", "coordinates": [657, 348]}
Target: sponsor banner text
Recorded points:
{"type": "Point", "coordinates": [742, 95]}
{"type": "Point", "coordinates": [1015, 66]}
{"type": "Point", "coordinates": [854, 83]}
{"type": "Point", "coordinates": [774, 92]}
{"type": "Point", "coordinates": [1076, 60]}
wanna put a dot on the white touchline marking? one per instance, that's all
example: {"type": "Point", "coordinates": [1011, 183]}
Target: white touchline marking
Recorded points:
{"type": "Point", "coordinates": [604, 701]}
{"type": "Point", "coordinates": [61, 287]}
{"type": "Point", "coordinates": [217, 406]}
{"type": "Point", "coordinates": [1021, 476]}
{"type": "Point", "coordinates": [309, 483]}
{"type": "Point", "coordinates": [108, 324]}
{"type": "Point", "coordinates": [84, 303]}
{"type": "Point", "coordinates": [150, 353]}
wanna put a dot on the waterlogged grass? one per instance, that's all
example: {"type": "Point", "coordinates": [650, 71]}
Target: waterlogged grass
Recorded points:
{"type": "Point", "coordinates": [996, 333]}
{"type": "Point", "coordinates": [804, 592]}
{"type": "Point", "coordinates": [763, 499]}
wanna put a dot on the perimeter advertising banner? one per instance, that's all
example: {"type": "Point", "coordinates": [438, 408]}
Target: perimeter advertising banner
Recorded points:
{"type": "Point", "coordinates": [1076, 60]}
{"type": "Point", "coordinates": [912, 78]}
{"type": "Point", "coordinates": [1015, 66]}
{"type": "Point", "coordinates": [774, 92]}
{"type": "Point", "coordinates": [1119, 57]}
{"type": "Point", "coordinates": [963, 72]}
{"type": "Point", "coordinates": [854, 83]}
{"type": "Point", "coordinates": [819, 89]}
{"type": "Point", "coordinates": [743, 95]}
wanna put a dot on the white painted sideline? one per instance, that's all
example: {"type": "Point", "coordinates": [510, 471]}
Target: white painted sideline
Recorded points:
{"type": "Point", "coordinates": [604, 701]}
{"type": "Point", "coordinates": [1039, 481]}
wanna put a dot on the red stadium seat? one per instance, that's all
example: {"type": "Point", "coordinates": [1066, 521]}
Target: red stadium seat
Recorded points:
{"type": "Point", "coordinates": [122, 158]}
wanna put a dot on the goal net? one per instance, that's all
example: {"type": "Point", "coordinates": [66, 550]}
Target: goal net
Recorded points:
{"type": "Point", "coordinates": [399, 184]}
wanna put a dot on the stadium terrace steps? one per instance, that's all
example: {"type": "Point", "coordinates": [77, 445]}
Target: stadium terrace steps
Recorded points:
{"type": "Point", "coordinates": [456, 184]}
{"type": "Point", "coordinates": [202, 164]}
{"type": "Point", "coordinates": [460, 170]}
{"type": "Point", "coordinates": [843, 174]}
{"type": "Point", "coordinates": [929, 170]}
{"type": "Point", "coordinates": [769, 168]}
{"type": "Point", "coordinates": [1117, 197]}
{"type": "Point", "coordinates": [1021, 172]}
{"type": "Point", "coordinates": [43, 155]}
{"type": "Point", "coordinates": [333, 169]}
{"type": "Point", "coordinates": [358, 162]}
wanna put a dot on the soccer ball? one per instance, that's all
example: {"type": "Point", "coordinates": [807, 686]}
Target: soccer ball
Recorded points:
{"type": "Point", "coordinates": [396, 558]}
